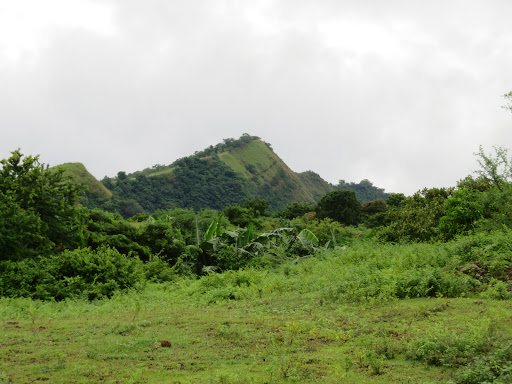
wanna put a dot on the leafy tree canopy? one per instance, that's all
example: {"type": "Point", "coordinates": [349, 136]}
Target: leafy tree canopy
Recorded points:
{"type": "Point", "coordinates": [39, 209]}
{"type": "Point", "coordinates": [395, 199]}
{"type": "Point", "coordinates": [418, 217]}
{"type": "Point", "coordinates": [364, 190]}
{"type": "Point", "coordinates": [508, 97]}
{"type": "Point", "coordinates": [296, 209]}
{"type": "Point", "coordinates": [341, 206]}
{"type": "Point", "coordinates": [496, 169]}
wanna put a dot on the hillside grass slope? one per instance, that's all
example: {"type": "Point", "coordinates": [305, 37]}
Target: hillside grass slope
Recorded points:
{"type": "Point", "coordinates": [370, 313]}
{"type": "Point", "coordinates": [80, 175]}
{"type": "Point", "coordinates": [269, 175]}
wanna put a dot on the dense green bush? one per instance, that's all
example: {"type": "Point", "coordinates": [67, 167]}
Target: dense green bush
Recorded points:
{"type": "Point", "coordinates": [365, 190]}
{"type": "Point", "coordinates": [430, 282]}
{"type": "Point", "coordinates": [163, 239]}
{"type": "Point", "coordinates": [439, 347]}
{"type": "Point", "coordinates": [105, 228]}
{"type": "Point", "coordinates": [494, 368]}
{"type": "Point", "coordinates": [295, 210]}
{"type": "Point", "coordinates": [21, 233]}
{"type": "Point", "coordinates": [329, 232]}
{"type": "Point", "coordinates": [417, 217]}
{"type": "Point", "coordinates": [341, 206]}
{"type": "Point", "coordinates": [159, 271]}
{"type": "Point", "coordinates": [192, 225]}
{"type": "Point", "coordinates": [38, 209]}
{"type": "Point", "coordinates": [240, 216]}
{"type": "Point", "coordinates": [490, 254]}
{"type": "Point", "coordinates": [20, 278]}
{"type": "Point", "coordinates": [83, 273]}
{"type": "Point", "coordinates": [463, 209]}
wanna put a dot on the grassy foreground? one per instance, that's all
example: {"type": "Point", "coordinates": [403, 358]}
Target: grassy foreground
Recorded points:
{"type": "Point", "coordinates": [337, 318]}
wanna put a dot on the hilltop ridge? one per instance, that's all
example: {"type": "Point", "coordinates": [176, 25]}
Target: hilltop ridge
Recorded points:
{"type": "Point", "coordinates": [228, 173]}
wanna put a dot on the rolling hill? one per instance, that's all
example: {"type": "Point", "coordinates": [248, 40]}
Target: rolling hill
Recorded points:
{"type": "Point", "coordinates": [229, 173]}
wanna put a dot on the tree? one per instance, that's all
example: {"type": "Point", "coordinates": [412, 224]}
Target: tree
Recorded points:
{"type": "Point", "coordinates": [163, 239]}
{"type": "Point", "coordinates": [508, 97]}
{"type": "Point", "coordinates": [495, 169]}
{"type": "Point", "coordinates": [239, 215]}
{"type": "Point", "coordinates": [258, 206]}
{"type": "Point", "coordinates": [365, 190]}
{"type": "Point", "coordinates": [39, 209]}
{"type": "Point", "coordinates": [374, 213]}
{"type": "Point", "coordinates": [394, 200]}
{"type": "Point", "coordinates": [294, 210]}
{"type": "Point", "coordinates": [373, 207]}
{"type": "Point", "coordinates": [418, 217]}
{"type": "Point", "coordinates": [129, 208]}
{"type": "Point", "coordinates": [20, 231]}
{"type": "Point", "coordinates": [341, 206]}
{"type": "Point", "coordinates": [463, 209]}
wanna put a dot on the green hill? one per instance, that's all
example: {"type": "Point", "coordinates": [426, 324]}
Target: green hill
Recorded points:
{"type": "Point", "coordinates": [228, 173]}
{"type": "Point", "coordinates": [81, 175]}
{"type": "Point", "coordinates": [269, 177]}
{"type": "Point", "coordinates": [96, 195]}
{"type": "Point", "coordinates": [232, 172]}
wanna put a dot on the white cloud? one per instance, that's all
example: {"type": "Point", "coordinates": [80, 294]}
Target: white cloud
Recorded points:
{"type": "Point", "coordinates": [27, 26]}
{"type": "Point", "coordinates": [398, 92]}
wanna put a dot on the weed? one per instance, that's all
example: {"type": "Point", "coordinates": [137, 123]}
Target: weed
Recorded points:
{"type": "Point", "coordinates": [34, 311]}
{"type": "Point", "coordinates": [497, 290]}
{"type": "Point", "coordinates": [136, 310]}
{"type": "Point", "coordinates": [374, 361]}
{"type": "Point", "coordinates": [230, 331]}
{"type": "Point", "coordinates": [495, 368]}
{"type": "Point", "coordinates": [442, 347]}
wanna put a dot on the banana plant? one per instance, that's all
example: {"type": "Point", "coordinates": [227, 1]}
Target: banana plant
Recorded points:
{"type": "Point", "coordinates": [248, 245]}
{"type": "Point", "coordinates": [210, 243]}
{"type": "Point", "coordinates": [331, 243]}
{"type": "Point", "coordinates": [212, 238]}
{"type": "Point", "coordinates": [307, 238]}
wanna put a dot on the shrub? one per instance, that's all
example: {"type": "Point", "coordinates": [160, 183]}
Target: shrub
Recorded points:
{"type": "Point", "coordinates": [490, 252]}
{"type": "Point", "coordinates": [163, 240]}
{"type": "Point", "coordinates": [327, 231]}
{"type": "Point", "coordinates": [463, 209]}
{"type": "Point", "coordinates": [495, 368]}
{"type": "Point", "coordinates": [159, 271]}
{"type": "Point", "coordinates": [84, 273]}
{"type": "Point", "coordinates": [497, 290]}
{"type": "Point", "coordinates": [19, 279]}
{"type": "Point", "coordinates": [418, 216]}
{"type": "Point", "coordinates": [429, 282]}
{"type": "Point", "coordinates": [341, 206]}
{"type": "Point", "coordinates": [441, 347]}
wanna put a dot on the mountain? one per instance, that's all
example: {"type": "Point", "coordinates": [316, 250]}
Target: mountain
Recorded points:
{"type": "Point", "coordinates": [269, 177]}
{"type": "Point", "coordinates": [228, 173]}
{"type": "Point", "coordinates": [96, 195]}
{"type": "Point", "coordinates": [231, 172]}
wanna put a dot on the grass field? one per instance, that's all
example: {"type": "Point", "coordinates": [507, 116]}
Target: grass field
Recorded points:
{"type": "Point", "coordinates": [269, 340]}
{"type": "Point", "coordinates": [325, 320]}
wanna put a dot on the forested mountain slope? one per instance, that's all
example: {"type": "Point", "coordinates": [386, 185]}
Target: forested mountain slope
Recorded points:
{"type": "Point", "coordinates": [231, 172]}
{"type": "Point", "coordinates": [96, 194]}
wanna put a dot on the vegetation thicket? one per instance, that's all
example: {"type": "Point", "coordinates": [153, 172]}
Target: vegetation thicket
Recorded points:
{"type": "Point", "coordinates": [402, 289]}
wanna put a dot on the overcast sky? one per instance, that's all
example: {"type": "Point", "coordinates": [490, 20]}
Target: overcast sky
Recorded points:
{"type": "Point", "coordinates": [400, 92]}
